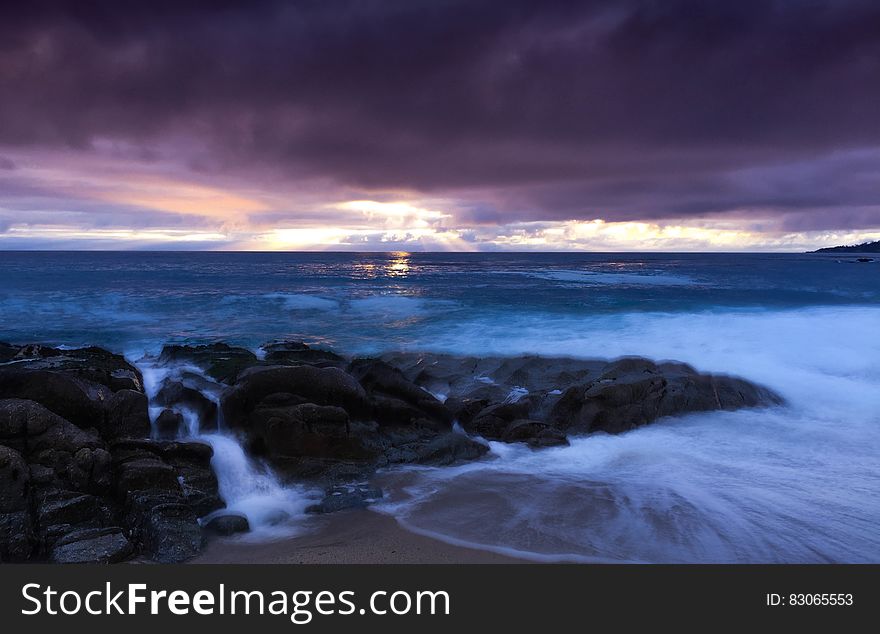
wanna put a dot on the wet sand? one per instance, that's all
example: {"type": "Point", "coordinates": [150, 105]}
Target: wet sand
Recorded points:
{"type": "Point", "coordinates": [349, 537]}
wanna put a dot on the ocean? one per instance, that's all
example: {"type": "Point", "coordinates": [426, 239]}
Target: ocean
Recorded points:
{"type": "Point", "coordinates": [797, 483]}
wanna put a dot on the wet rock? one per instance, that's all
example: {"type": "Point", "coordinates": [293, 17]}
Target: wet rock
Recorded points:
{"type": "Point", "coordinates": [168, 424]}
{"type": "Point", "coordinates": [77, 385]}
{"type": "Point", "coordinates": [492, 421]}
{"type": "Point", "coordinates": [396, 399]}
{"type": "Point", "coordinates": [146, 473]}
{"type": "Point", "coordinates": [127, 416]}
{"type": "Point", "coordinates": [228, 524]}
{"type": "Point", "coordinates": [448, 449]}
{"type": "Point", "coordinates": [321, 386]}
{"type": "Point", "coordinates": [16, 527]}
{"type": "Point", "coordinates": [170, 532]}
{"type": "Point", "coordinates": [220, 361]}
{"type": "Point", "coordinates": [534, 433]}
{"type": "Point", "coordinates": [67, 396]}
{"type": "Point", "coordinates": [634, 391]}
{"type": "Point", "coordinates": [70, 508]}
{"type": "Point", "coordinates": [14, 481]}
{"type": "Point", "coordinates": [17, 539]}
{"type": "Point", "coordinates": [175, 394]}
{"type": "Point", "coordinates": [96, 545]}
{"type": "Point", "coordinates": [306, 430]}
{"type": "Point", "coordinates": [298, 353]}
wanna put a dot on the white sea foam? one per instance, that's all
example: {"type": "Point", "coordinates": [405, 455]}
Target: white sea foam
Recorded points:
{"type": "Point", "coordinates": [799, 483]}
{"type": "Point", "coordinates": [647, 278]}
{"type": "Point", "coordinates": [303, 301]}
{"type": "Point", "coordinates": [390, 306]}
{"type": "Point", "coordinates": [249, 487]}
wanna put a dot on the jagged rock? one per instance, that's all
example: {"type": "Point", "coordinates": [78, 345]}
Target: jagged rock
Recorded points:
{"type": "Point", "coordinates": [75, 458]}
{"type": "Point", "coordinates": [395, 398]}
{"type": "Point", "coordinates": [80, 386]}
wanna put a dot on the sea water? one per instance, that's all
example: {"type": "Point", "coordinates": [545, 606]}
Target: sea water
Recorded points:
{"type": "Point", "coordinates": [797, 483]}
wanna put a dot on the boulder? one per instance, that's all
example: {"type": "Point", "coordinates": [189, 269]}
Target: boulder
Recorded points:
{"type": "Point", "coordinates": [534, 433]}
{"type": "Point", "coordinates": [168, 424]}
{"type": "Point", "coordinates": [298, 353]}
{"type": "Point", "coordinates": [175, 394]}
{"type": "Point", "coordinates": [633, 392]}
{"type": "Point", "coordinates": [78, 385]}
{"type": "Point", "coordinates": [321, 386]}
{"type": "Point", "coordinates": [227, 524]}
{"type": "Point", "coordinates": [170, 532]}
{"type": "Point", "coordinates": [492, 421]}
{"type": "Point", "coordinates": [72, 457]}
{"type": "Point", "coordinates": [93, 546]}
{"type": "Point", "coordinates": [220, 361]}
{"type": "Point", "coordinates": [68, 396]}
{"type": "Point", "coordinates": [396, 399]}
{"type": "Point", "coordinates": [127, 416]}
{"type": "Point", "coordinates": [448, 449]}
{"type": "Point", "coordinates": [146, 473]}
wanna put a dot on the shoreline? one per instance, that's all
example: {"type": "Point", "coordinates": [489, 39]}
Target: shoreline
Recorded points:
{"type": "Point", "coordinates": [355, 536]}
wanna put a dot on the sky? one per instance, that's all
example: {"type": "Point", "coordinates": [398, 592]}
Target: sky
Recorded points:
{"type": "Point", "coordinates": [633, 125]}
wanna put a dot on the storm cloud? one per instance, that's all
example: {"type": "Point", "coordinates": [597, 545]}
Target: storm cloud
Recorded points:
{"type": "Point", "coordinates": [638, 110]}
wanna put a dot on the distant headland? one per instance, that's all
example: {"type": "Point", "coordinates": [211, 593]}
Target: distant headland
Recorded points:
{"type": "Point", "coordinates": [865, 247]}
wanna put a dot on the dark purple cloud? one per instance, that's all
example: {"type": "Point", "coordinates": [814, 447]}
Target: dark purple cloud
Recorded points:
{"type": "Point", "coordinates": [521, 110]}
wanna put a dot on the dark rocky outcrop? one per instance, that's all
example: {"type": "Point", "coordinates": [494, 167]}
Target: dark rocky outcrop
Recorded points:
{"type": "Point", "coordinates": [90, 387]}
{"type": "Point", "coordinates": [326, 423]}
{"type": "Point", "coordinates": [633, 392]}
{"type": "Point", "coordinates": [539, 400]}
{"type": "Point", "coordinates": [80, 479]}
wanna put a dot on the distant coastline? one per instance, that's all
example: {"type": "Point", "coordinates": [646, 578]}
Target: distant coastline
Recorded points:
{"type": "Point", "coordinates": [865, 247]}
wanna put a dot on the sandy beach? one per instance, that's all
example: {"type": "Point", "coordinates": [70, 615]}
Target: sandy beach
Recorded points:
{"type": "Point", "coordinates": [349, 537]}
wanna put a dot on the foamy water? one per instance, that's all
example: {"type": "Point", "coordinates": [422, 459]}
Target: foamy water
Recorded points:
{"type": "Point", "coordinates": [248, 487]}
{"type": "Point", "coordinates": [798, 483]}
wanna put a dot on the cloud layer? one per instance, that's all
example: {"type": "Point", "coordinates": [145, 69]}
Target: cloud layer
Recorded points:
{"type": "Point", "coordinates": [241, 120]}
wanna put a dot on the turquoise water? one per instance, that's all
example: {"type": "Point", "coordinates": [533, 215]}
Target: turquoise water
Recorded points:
{"type": "Point", "coordinates": [797, 483]}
